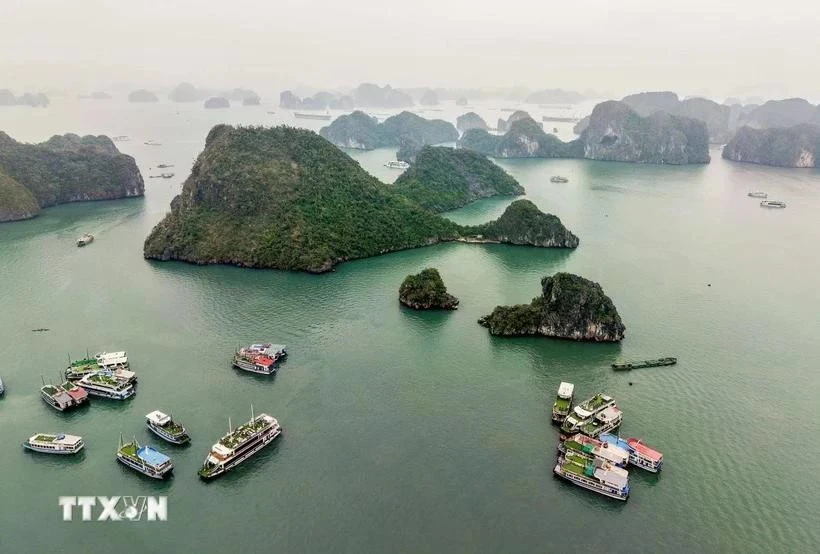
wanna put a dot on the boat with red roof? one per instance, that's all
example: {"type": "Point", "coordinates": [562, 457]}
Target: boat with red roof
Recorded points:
{"type": "Point", "coordinates": [259, 358]}
{"type": "Point", "coordinates": [640, 454]}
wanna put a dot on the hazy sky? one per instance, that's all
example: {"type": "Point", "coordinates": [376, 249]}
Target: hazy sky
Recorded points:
{"type": "Point", "coordinates": [691, 46]}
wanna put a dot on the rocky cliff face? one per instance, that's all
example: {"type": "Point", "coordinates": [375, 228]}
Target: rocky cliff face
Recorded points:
{"type": "Point", "coordinates": [65, 168]}
{"type": "Point", "coordinates": [570, 307]}
{"type": "Point", "coordinates": [426, 291]}
{"type": "Point", "coordinates": [617, 133]}
{"type": "Point", "coordinates": [522, 223]}
{"type": "Point", "coordinates": [524, 139]}
{"type": "Point", "coordinates": [359, 130]}
{"type": "Point", "coordinates": [470, 120]}
{"type": "Point", "coordinates": [782, 113]}
{"type": "Point", "coordinates": [715, 116]}
{"type": "Point", "coordinates": [797, 146]}
{"type": "Point", "coordinates": [16, 201]}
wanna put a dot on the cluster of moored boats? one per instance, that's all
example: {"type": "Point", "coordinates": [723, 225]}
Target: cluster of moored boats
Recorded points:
{"type": "Point", "coordinates": [108, 375]}
{"type": "Point", "coordinates": [590, 454]}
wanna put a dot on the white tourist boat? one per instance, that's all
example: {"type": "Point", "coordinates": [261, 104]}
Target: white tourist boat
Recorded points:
{"type": "Point", "coordinates": [106, 385]}
{"type": "Point", "coordinates": [772, 204]}
{"type": "Point", "coordinates": [583, 412]}
{"type": "Point", "coordinates": [589, 448]}
{"type": "Point", "coordinates": [54, 444]}
{"type": "Point", "coordinates": [758, 194]}
{"type": "Point", "coordinates": [166, 428]}
{"type": "Point", "coordinates": [603, 422]}
{"type": "Point", "coordinates": [240, 444]}
{"type": "Point", "coordinates": [397, 164]}
{"type": "Point", "coordinates": [595, 475]}
{"type": "Point", "coordinates": [112, 360]}
{"type": "Point", "coordinates": [563, 402]}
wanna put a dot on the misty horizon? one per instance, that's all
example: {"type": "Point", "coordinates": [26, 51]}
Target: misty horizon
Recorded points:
{"type": "Point", "coordinates": [695, 48]}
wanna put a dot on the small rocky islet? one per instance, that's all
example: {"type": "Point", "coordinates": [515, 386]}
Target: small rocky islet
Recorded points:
{"type": "Point", "coordinates": [569, 307]}
{"type": "Point", "coordinates": [426, 291]}
{"type": "Point", "coordinates": [363, 132]}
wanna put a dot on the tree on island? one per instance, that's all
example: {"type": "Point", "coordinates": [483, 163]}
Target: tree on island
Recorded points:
{"type": "Point", "coordinates": [426, 291]}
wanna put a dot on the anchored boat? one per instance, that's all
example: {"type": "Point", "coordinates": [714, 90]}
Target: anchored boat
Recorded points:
{"type": "Point", "coordinates": [394, 164]}
{"type": "Point", "coordinates": [144, 459]}
{"type": "Point", "coordinates": [259, 358]}
{"type": "Point", "coordinates": [597, 475]}
{"type": "Point", "coordinates": [583, 412]}
{"type": "Point", "coordinates": [322, 116]}
{"type": "Point", "coordinates": [640, 454]}
{"type": "Point", "coordinates": [106, 385]}
{"type": "Point", "coordinates": [563, 402]}
{"type": "Point", "coordinates": [112, 360]}
{"type": "Point", "coordinates": [240, 444]}
{"type": "Point", "coordinates": [166, 428]}
{"type": "Point", "coordinates": [85, 239]}
{"type": "Point", "coordinates": [603, 421]}
{"type": "Point", "coordinates": [644, 363]}
{"type": "Point", "coordinates": [54, 444]}
{"type": "Point", "coordinates": [63, 397]}
{"type": "Point", "coordinates": [772, 204]}
{"type": "Point", "coordinates": [78, 369]}
{"type": "Point", "coordinates": [758, 194]}
{"type": "Point", "coordinates": [581, 446]}
{"type": "Point", "coordinates": [558, 179]}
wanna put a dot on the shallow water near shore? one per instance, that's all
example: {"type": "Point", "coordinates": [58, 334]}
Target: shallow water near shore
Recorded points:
{"type": "Point", "coordinates": [419, 432]}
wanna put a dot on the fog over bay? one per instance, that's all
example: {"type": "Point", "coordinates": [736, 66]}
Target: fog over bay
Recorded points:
{"type": "Point", "coordinates": [698, 47]}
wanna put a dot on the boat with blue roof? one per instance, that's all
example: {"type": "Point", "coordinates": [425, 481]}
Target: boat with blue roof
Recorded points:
{"type": "Point", "coordinates": [144, 459]}
{"type": "Point", "coordinates": [640, 455]}
{"type": "Point", "coordinates": [588, 448]}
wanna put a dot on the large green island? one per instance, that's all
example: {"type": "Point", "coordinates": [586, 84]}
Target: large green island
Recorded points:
{"type": "Point", "coordinates": [285, 198]}
{"type": "Point", "coordinates": [65, 168]}
{"type": "Point", "coordinates": [569, 307]}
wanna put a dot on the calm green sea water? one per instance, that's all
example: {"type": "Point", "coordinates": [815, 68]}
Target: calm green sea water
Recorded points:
{"type": "Point", "coordinates": [418, 432]}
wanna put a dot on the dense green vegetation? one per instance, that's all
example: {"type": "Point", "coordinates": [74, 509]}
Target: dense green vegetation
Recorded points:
{"type": "Point", "coordinates": [284, 198]}
{"type": "Point", "coordinates": [426, 291]}
{"type": "Point", "coordinates": [443, 179]}
{"type": "Point", "coordinates": [66, 168]}
{"type": "Point", "coordinates": [569, 307]}
{"type": "Point", "coordinates": [16, 201]}
{"type": "Point", "coordinates": [359, 130]}
{"type": "Point", "coordinates": [523, 223]}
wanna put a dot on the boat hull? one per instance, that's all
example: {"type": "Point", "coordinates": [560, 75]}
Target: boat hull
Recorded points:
{"type": "Point", "coordinates": [34, 448]}
{"type": "Point", "coordinates": [604, 490]}
{"type": "Point", "coordinates": [148, 472]}
{"type": "Point", "coordinates": [231, 464]}
{"type": "Point", "coordinates": [164, 435]}
{"type": "Point", "coordinates": [253, 368]}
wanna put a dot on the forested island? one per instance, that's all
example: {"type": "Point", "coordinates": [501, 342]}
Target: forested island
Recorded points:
{"type": "Point", "coordinates": [65, 168]}
{"type": "Point", "coordinates": [615, 132]}
{"type": "Point", "coordinates": [286, 198]}
{"type": "Point", "coordinates": [426, 291]}
{"type": "Point", "coordinates": [38, 100]}
{"type": "Point", "coordinates": [443, 179]}
{"type": "Point", "coordinates": [142, 95]}
{"type": "Point", "coordinates": [360, 131]}
{"type": "Point", "coordinates": [216, 103]}
{"type": "Point", "coordinates": [569, 307]}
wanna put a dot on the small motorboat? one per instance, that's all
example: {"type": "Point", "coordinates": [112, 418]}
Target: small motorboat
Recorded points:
{"type": "Point", "coordinates": [87, 238]}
